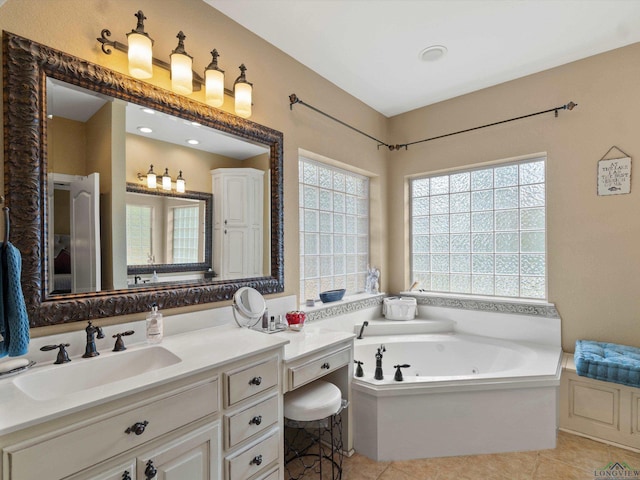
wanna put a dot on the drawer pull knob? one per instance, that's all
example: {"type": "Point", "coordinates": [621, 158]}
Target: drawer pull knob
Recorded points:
{"type": "Point", "coordinates": [326, 366]}
{"type": "Point", "coordinates": [257, 420]}
{"type": "Point", "coordinates": [126, 476]}
{"type": "Point", "coordinates": [255, 381]}
{"type": "Point", "coordinates": [257, 460]}
{"type": "Point", "coordinates": [137, 428]}
{"type": "Point", "coordinates": [151, 471]}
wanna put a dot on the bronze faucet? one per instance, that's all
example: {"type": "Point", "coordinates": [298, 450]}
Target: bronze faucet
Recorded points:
{"type": "Point", "coordinates": [90, 349]}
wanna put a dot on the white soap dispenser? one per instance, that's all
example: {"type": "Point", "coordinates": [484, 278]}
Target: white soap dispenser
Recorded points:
{"type": "Point", "coordinates": [154, 325]}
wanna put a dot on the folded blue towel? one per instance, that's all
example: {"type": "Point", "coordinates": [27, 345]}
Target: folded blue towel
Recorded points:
{"type": "Point", "coordinates": [609, 362]}
{"type": "Point", "coordinates": [14, 322]}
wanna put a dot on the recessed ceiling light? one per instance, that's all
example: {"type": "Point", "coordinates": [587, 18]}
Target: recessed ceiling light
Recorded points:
{"type": "Point", "coordinates": [193, 141]}
{"type": "Point", "coordinates": [145, 130]}
{"type": "Point", "coordinates": [432, 53]}
{"type": "Point", "coordinates": [149, 111]}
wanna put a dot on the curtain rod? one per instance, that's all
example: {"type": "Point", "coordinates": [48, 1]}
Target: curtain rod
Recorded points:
{"type": "Point", "coordinates": [293, 99]}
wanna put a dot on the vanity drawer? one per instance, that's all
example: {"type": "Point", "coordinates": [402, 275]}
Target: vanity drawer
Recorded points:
{"type": "Point", "coordinates": [319, 367]}
{"type": "Point", "coordinates": [251, 421]}
{"type": "Point", "coordinates": [61, 453]}
{"type": "Point", "coordinates": [249, 381]}
{"type": "Point", "coordinates": [250, 461]}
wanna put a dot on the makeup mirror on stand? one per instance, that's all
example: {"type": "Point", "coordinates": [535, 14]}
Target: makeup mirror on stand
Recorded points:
{"type": "Point", "coordinates": [248, 307]}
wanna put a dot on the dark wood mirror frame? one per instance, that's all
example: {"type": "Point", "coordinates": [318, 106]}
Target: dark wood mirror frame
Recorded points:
{"type": "Point", "coordinates": [26, 65]}
{"type": "Point", "coordinates": [207, 198]}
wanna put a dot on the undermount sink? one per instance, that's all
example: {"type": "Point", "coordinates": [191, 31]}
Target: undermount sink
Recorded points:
{"type": "Point", "coordinates": [85, 373]}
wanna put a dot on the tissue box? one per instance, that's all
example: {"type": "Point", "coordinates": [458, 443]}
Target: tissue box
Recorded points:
{"type": "Point", "coordinates": [403, 308]}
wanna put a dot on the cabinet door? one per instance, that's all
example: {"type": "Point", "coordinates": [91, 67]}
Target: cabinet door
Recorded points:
{"type": "Point", "coordinates": [235, 208]}
{"type": "Point", "coordinates": [193, 456]}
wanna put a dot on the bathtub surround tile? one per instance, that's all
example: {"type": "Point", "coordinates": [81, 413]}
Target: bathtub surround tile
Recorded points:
{"type": "Point", "coordinates": [343, 307]}
{"type": "Point", "coordinates": [494, 306]}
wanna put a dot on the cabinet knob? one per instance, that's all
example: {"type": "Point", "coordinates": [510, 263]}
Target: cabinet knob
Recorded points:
{"type": "Point", "coordinates": [257, 460]}
{"type": "Point", "coordinates": [255, 381]}
{"type": "Point", "coordinates": [151, 471]}
{"type": "Point", "coordinates": [257, 420]}
{"type": "Point", "coordinates": [137, 428]}
{"type": "Point", "coordinates": [126, 475]}
{"type": "Point", "coordinates": [325, 366]}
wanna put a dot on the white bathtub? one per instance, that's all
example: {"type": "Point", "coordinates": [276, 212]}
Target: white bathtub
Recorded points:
{"type": "Point", "coordinates": [462, 395]}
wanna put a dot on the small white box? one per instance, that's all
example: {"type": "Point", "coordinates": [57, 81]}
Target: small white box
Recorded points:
{"type": "Point", "coordinates": [399, 308]}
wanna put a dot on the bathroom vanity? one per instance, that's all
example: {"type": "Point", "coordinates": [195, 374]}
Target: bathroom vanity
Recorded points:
{"type": "Point", "coordinates": [204, 404]}
{"type": "Point", "coordinates": [214, 414]}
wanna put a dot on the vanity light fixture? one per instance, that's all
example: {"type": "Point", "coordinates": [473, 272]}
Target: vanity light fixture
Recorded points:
{"type": "Point", "coordinates": [181, 72]}
{"type": "Point", "coordinates": [152, 183]}
{"type": "Point", "coordinates": [183, 79]}
{"type": "Point", "coordinates": [166, 180]}
{"type": "Point", "coordinates": [214, 82]}
{"type": "Point", "coordinates": [180, 183]}
{"type": "Point", "coordinates": [151, 178]}
{"type": "Point", "coordinates": [242, 92]}
{"type": "Point", "coordinates": [140, 50]}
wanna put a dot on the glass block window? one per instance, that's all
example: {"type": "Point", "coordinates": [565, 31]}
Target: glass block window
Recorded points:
{"type": "Point", "coordinates": [185, 223]}
{"type": "Point", "coordinates": [334, 229]}
{"type": "Point", "coordinates": [139, 247]}
{"type": "Point", "coordinates": [482, 231]}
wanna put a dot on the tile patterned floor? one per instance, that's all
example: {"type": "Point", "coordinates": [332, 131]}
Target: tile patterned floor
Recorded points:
{"type": "Point", "coordinates": [574, 458]}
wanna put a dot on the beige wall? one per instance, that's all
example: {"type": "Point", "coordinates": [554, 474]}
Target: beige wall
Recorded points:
{"type": "Point", "coordinates": [593, 242]}
{"type": "Point", "coordinates": [274, 75]}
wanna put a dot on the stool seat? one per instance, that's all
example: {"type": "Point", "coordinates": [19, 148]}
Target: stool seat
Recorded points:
{"type": "Point", "coordinates": [314, 401]}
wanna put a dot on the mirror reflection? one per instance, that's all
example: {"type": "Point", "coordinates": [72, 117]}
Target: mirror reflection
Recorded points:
{"type": "Point", "coordinates": [100, 151]}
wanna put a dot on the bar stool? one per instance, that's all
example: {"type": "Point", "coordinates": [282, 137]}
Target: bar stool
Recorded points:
{"type": "Point", "coordinates": [313, 430]}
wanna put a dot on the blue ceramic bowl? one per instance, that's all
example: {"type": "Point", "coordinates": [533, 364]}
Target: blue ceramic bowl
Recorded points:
{"type": "Point", "coordinates": [332, 295]}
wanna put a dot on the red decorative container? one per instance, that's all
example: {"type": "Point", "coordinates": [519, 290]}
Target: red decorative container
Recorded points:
{"type": "Point", "coordinates": [295, 319]}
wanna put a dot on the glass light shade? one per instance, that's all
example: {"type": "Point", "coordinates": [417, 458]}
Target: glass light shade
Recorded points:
{"type": "Point", "coordinates": [181, 74]}
{"type": "Point", "coordinates": [214, 85]}
{"type": "Point", "coordinates": [180, 184]}
{"type": "Point", "coordinates": [166, 180]}
{"type": "Point", "coordinates": [242, 94]}
{"type": "Point", "coordinates": [151, 178]}
{"type": "Point", "coordinates": [140, 55]}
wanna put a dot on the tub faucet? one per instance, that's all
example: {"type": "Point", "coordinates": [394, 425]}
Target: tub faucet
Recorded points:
{"type": "Point", "coordinates": [364, 324]}
{"type": "Point", "coordinates": [90, 349]}
{"type": "Point", "coordinates": [398, 375]}
{"type": "Point", "coordinates": [378, 375]}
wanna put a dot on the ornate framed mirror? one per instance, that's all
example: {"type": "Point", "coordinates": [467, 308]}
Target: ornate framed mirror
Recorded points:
{"type": "Point", "coordinates": [26, 67]}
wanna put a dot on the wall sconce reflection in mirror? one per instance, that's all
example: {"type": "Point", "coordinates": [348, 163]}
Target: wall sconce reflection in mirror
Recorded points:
{"type": "Point", "coordinates": [183, 79]}
{"type": "Point", "coordinates": [151, 180]}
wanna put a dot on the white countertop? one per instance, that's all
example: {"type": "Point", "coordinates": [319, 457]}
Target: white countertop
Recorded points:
{"type": "Point", "coordinates": [309, 340]}
{"type": "Point", "coordinates": [198, 350]}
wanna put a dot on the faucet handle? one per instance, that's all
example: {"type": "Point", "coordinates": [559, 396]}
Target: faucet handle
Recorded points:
{"type": "Point", "coordinates": [359, 371]}
{"type": "Point", "coordinates": [63, 356]}
{"type": "Point", "coordinates": [398, 375]}
{"type": "Point", "coordinates": [119, 346]}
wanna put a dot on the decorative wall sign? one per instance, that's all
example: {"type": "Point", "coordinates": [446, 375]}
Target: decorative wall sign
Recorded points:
{"type": "Point", "coordinates": [614, 175]}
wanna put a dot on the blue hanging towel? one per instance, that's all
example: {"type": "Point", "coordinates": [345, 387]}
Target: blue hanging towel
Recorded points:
{"type": "Point", "coordinates": [14, 324]}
